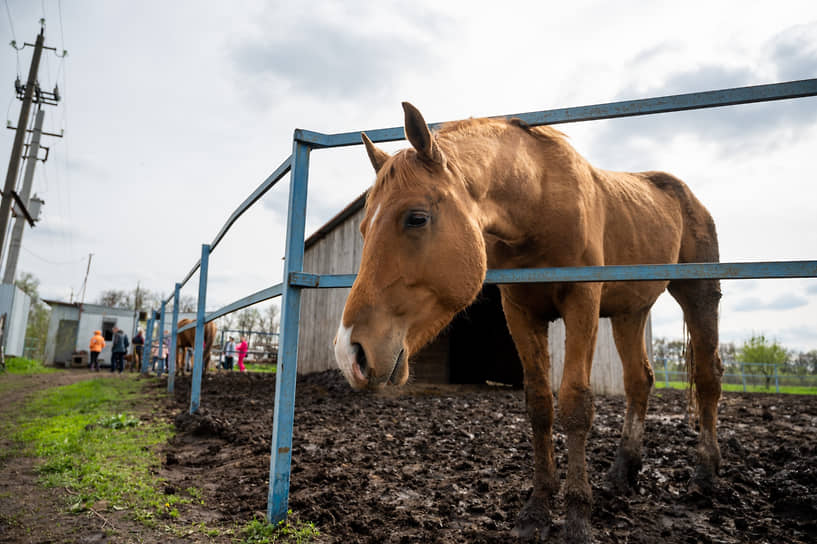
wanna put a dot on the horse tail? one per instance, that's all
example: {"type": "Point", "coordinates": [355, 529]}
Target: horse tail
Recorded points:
{"type": "Point", "coordinates": [689, 362]}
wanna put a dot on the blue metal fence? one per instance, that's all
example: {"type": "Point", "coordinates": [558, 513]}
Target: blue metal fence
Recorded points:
{"type": "Point", "coordinates": [295, 279]}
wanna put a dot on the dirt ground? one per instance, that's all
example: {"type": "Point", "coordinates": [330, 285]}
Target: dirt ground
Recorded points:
{"type": "Point", "coordinates": [443, 464]}
{"type": "Point", "coordinates": [452, 464]}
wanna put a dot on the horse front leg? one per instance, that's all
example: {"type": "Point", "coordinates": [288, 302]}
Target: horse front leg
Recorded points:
{"type": "Point", "coordinates": [581, 316]}
{"type": "Point", "coordinates": [531, 338]}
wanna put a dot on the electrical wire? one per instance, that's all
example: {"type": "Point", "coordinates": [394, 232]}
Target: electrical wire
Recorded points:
{"type": "Point", "coordinates": [13, 37]}
{"type": "Point", "coordinates": [56, 263]}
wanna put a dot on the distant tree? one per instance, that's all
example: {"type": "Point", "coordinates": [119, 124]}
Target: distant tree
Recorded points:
{"type": "Point", "coordinates": [671, 351]}
{"type": "Point", "coordinates": [758, 349]}
{"type": "Point", "coordinates": [114, 298]}
{"type": "Point", "coordinates": [248, 319]}
{"type": "Point", "coordinates": [188, 303]}
{"type": "Point", "coordinates": [38, 316]}
{"type": "Point", "coordinates": [805, 362]}
{"type": "Point", "coordinates": [269, 320]}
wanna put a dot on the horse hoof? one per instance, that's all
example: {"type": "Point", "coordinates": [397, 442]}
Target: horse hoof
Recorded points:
{"type": "Point", "coordinates": [534, 522]}
{"type": "Point", "coordinates": [622, 477]}
{"type": "Point", "coordinates": [577, 530]}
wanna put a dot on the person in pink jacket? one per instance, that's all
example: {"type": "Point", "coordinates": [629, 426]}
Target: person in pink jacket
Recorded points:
{"type": "Point", "coordinates": [241, 349]}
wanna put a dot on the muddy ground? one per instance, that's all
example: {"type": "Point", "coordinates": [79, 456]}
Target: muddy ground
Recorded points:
{"type": "Point", "coordinates": [452, 464]}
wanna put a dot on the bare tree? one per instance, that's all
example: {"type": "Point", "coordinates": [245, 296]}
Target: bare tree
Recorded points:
{"type": "Point", "coordinates": [114, 298]}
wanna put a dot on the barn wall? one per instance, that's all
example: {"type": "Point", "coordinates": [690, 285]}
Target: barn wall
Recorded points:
{"type": "Point", "coordinates": [338, 252]}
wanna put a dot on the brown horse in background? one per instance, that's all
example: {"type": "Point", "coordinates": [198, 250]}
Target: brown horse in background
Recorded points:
{"type": "Point", "coordinates": [187, 339]}
{"type": "Point", "coordinates": [494, 193]}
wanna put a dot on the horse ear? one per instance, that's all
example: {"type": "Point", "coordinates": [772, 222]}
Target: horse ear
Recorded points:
{"type": "Point", "coordinates": [376, 155]}
{"type": "Point", "coordinates": [419, 136]}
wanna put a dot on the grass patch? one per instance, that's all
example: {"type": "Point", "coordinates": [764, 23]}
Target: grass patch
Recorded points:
{"type": "Point", "coordinates": [736, 387]}
{"type": "Point", "coordinates": [284, 532]}
{"type": "Point", "coordinates": [19, 365]}
{"type": "Point", "coordinates": [91, 446]}
{"type": "Point", "coordinates": [258, 367]}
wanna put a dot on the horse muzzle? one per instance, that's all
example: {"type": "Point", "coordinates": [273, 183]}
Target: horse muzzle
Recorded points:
{"type": "Point", "coordinates": [366, 368]}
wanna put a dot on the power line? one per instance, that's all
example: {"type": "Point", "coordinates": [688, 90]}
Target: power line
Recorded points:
{"type": "Point", "coordinates": [58, 263]}
{"type": "Point", "coordinates": [11, 23]}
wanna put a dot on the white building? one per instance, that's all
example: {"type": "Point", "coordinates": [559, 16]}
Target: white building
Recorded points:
{"type": "Point", "coordinates": [14, 304]}
{"type": "Point", "coordinates": [72, 325]}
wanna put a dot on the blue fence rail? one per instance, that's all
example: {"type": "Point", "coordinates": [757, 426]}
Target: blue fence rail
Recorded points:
{"type": "Point", "coordinates": [295, 279]}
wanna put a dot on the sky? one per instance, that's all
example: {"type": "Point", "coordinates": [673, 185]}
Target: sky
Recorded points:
{"type": "Point", "coordinates": [174, 112]}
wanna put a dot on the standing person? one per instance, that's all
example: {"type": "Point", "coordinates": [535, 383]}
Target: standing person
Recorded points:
{"type": "Point", "coordinates": [97, 343]}
{"type": "Point", "coordinates": [242, 348]}
{"type": "Point", "coordinates": [138, 348]}
{"type": "Point", "coordinates": [229, 353]}
{"type": "Point", "coordinates": [162, 355]}
{"type": "Point", "coordinates": [119, 349]}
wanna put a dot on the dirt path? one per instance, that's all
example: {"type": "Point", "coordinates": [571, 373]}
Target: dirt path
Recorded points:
{"type": "Point", "coordinates": [31, 513]}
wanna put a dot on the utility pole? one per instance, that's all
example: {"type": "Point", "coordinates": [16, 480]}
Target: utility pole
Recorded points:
{"type": "Point", "coordinates": [30, 93]}
{"type": "Point", "coordinates": [19, 137]}
{"type": "Point", "coordinates": [20, 220]}
{"type": "Point", "coordinates": [85, 281]}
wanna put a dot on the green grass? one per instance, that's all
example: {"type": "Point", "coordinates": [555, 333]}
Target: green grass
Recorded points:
{"type": "Point", "coordinates": [18, 365]}
{"type": "Point", "coordinates": [284, 532]}
{"type": "Point", "coordinates": [92, 446]}
{"type": "Point", "coordinates": [784, 389]}
{"type": "Point", "coordinates": [256, 367]}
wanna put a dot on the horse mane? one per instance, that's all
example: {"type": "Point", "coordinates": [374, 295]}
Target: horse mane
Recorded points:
{"type": "Point", "coordinates": [400, 168]}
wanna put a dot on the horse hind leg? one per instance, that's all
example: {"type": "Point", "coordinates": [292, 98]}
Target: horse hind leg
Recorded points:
{"type": "Point", "coordinates": [628, 332]}
{"type": "Point", "coordinates": [699, 300]}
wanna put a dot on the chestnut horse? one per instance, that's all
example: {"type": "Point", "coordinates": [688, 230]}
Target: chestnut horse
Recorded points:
{"type": "Point", "coordinates": [492, 193]}
{"type": "Point", "coordinates": [187, 339]}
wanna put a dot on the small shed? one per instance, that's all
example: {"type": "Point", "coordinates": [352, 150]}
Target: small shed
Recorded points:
{"type": "Point", "coordinates": [72, 325]}
{"type": "Point", "coordinates": [475, 348]}
{"type": "Point", "coordinates": [15, 305]}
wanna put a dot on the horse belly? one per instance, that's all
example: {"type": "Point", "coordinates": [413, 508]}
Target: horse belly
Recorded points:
{"type": "Point", "coordinates": [627, 297]}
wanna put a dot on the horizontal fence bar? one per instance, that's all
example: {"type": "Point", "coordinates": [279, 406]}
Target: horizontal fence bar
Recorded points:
{"type": "Point", "coordinates": [255, 298]}
{"type": "Point", "coordinates": [642, 272]}
{"type": "Point", "coordinates": [609, 110]}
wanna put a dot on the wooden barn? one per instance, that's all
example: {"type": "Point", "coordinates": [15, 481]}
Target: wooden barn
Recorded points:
{"type": "Point", "coordinates": [475, 348]}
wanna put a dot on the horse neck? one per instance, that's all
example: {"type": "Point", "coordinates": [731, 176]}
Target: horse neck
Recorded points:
{"type": "Point", "coordinates": [506, 175]}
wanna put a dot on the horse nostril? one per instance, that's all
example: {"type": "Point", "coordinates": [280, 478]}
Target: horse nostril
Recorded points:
{"type": "Point", "coordinates": [360, 358]}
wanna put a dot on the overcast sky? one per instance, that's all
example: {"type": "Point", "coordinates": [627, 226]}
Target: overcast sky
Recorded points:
{"type": "Point", "coordinates": [174, 112]}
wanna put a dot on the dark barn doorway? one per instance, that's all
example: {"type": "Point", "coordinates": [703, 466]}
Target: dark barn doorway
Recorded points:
{"type": "Point", "coordinates": [481, 348]}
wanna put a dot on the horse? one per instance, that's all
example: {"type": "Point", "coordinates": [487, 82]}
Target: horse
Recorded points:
{"type": "Point", "coordinates": [498, 193]}
{"type": "Point", "coordinates": [187, 339]}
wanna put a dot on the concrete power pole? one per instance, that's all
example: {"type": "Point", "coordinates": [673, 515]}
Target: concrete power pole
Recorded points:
{"type": "Point", "coordinates": [25, 191]}
{"type": "Point", "coordinates": [19, 138]}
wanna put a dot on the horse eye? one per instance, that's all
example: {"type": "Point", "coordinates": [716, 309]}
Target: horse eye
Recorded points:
{"type": "Point", "coordinates": [416, 219]}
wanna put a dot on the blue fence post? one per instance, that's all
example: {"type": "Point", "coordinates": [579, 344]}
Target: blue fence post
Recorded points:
{"type": "Point", "coordinates": [743, 376]}
{"type": "Point", "coordinates": [198, 349]}
{"type": "Point", "coordinates": [171, 356]}
{"type": "Point", "coordinates": [161, 339]}
{"type": "Point", "coordinates": [146, 350]}
{"type": "Point", "coordinates": [666, 374]}
{"type": "Point", "coordinates": [283, 418]}
{"type": "Point", "coordinates": [776, 379]}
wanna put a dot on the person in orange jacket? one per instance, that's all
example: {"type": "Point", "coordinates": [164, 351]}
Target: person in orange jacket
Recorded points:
{"type": "Point", "coordinates": [97, 343]}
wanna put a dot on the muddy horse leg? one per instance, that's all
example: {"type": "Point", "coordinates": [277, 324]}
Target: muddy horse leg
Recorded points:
{"type": "Point", "coordinates": [628, 332]}
{"type": "Point", "coordinates": [699, 299]}
{"type": "Point", "coordinates": [580, 312]}
{"type": "Point", "coordinates": [531, 338]}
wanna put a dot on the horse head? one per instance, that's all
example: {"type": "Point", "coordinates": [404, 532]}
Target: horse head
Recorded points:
{"type": "Point", "coordinates": [423, 259]}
